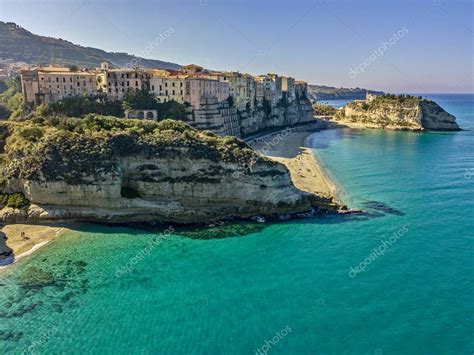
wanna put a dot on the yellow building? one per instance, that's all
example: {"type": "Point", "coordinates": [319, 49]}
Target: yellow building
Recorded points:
{"type": "Point", "coordinates": [242, 89]}
{"type": "Point", "coordinates": [196, 88]}
{"type": "Point", "coordinates": [50, 84]}
{"type": "Point", "coordinates": [167, 88]}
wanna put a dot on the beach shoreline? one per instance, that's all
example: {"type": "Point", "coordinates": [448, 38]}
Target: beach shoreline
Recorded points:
{"type": "Point", "coordinates": [288, 146]}
{"type": "Point", "coordinates": [18, 240]}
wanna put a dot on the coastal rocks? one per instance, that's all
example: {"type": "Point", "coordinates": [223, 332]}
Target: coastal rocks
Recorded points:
{"type": "Point", "coordinates": [396, 113]}
{"type": "Point", "coordinates": [175, 175]}
{"type": "Point", "coordinates": [291, 114]}
{"type": "Point", "coordinates": [222, 119]}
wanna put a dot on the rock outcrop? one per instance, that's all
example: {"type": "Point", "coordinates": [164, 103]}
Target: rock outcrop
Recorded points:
{"type": "Point", "coordinates": [397, 113]}
{"type": "Point", "coordinates": [283, 115]}
{"type": "Point", "coordinates": [223, 120]}
{"type": "Point", "coordinates": [135, 171]}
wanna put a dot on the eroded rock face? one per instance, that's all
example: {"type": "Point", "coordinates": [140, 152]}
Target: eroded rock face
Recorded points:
{"type": "Point", "coordinates": [295, 113]}
{"type": "Point", "coordinates": [171, 190]}
{"type": "Point", "coordinates": [397, 113]}
{"type": "Point", "coordinates": [125, 178]}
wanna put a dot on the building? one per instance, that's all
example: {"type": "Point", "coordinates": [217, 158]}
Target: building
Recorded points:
{"type": "Point", "coordinates": [197, 87]}
{"type": "Point", "coordinates": [116, 82]}
{"type": "Point", "coordinates": [259, 89]}
{"type": "Point", "coordinates": [45, 85]}
{"type": "Point", "coordinates": [242, 89]}
{"type": "Point", "coordinates": [288, 88]}
{"type": "Point", "coordinates": [191, 69]}
{"type": "Point", "coordinates": [270, 92]}
{"type": "Point", "coordinates": [167, 88]}
{"type": "Point", "coordinates": [301, 89]}
{"type": "Point", "coordinates": [142, 114]}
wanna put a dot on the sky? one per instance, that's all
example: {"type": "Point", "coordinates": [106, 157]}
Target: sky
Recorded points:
{"type": "Point", "coordinates": [398, 46]}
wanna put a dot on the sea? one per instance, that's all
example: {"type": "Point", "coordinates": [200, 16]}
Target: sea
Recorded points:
{"type": "Point", "coordinates": [396, 279]}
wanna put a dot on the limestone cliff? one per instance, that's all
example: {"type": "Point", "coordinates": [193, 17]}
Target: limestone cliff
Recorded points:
{"type": "Point", "coordinates": [281, 115]}
{"type": "Point", "coordinates": [110, 170]}
{"type": "Point", "coordinates": [396, 112]}
{"type": "Point", "coordinates": [222, 119]}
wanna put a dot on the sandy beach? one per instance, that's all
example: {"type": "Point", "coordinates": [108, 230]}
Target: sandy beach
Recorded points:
{"type": "Point", "coordinates": [288, 148]}
{"type": "Point", "coordinates": [20, 240]}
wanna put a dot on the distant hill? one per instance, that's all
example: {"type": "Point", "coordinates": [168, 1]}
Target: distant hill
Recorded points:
{"type": "Point", "coordinates": [21, 45]}
{"type": "Point", "coordinates": [321, 92]}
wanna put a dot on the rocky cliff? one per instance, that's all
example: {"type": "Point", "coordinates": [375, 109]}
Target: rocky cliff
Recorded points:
{"type": "Point", "coordinates": [281, 115]}
{"type": "Point", "coordinates": [223, 120]}
{"type": "Point", "coordinates": [398, 113]}
{"type": "Point", "coordinates": [111, 170]}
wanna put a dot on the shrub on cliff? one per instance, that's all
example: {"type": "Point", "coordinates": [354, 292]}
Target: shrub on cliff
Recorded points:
{"type": "Point", "coordinates": [73, 150]}
{"type": "Point", "coordinates": [78, 106]}
{"type": "Point", "coordinates": [323, 110]}
{"type": "Point", "coordinates": [14, 200]}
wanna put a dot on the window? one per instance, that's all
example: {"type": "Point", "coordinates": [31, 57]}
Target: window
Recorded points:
{"type": "Point", "coordinates": [57, 79]}
{"type": "Point", "coordinates": [166, 84]}
{"type": "Point", "coordinates": [136, 83]}
{"type": "Point", "coordinates": [153, 88]}
{"type": "Point", "coordinates": [64, 80]}
{"type": "Point", "coordinates": [161, 88]}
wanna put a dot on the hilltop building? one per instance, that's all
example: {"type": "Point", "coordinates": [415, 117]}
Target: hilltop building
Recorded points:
{"type": "Point", "coordinates": [114, 83]}
{"type": "Point", "coordinates": [45, 85]}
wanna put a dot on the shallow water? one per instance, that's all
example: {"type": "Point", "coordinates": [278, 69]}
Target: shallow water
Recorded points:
{"type": "Point", "coordinates": [191, 295]}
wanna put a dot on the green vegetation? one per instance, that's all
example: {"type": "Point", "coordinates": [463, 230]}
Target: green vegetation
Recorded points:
{"type": "Point", "coordinates": [11, 99]}
{"type": "Point", "coordinates": [323, 110]}
{"type": "Point", "coordinates": [386, 99]}
{"type": "Point", "coordinates": [267, 107]}
{"type": "Point", "coordinates": [74, 149]}
{"type": "Point", "coordinates": [14, 200]}
{"type": "Point", "coordinates": [78, 106]}
{"type": "Point", "coordinates": [230, 101]}
{"type": "Point", "coordinates": [21, 45]}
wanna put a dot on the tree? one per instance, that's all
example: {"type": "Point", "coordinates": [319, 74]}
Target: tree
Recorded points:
{"type": "Point", "coordinates": [140, 100]}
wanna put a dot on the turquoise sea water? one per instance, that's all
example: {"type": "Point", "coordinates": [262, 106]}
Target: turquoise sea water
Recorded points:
{"type": "Point", "coordinates": [286, 288]}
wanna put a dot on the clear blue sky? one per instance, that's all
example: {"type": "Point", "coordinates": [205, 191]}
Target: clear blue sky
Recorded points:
{"type": "Point", "coordinates": [316, 40]}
